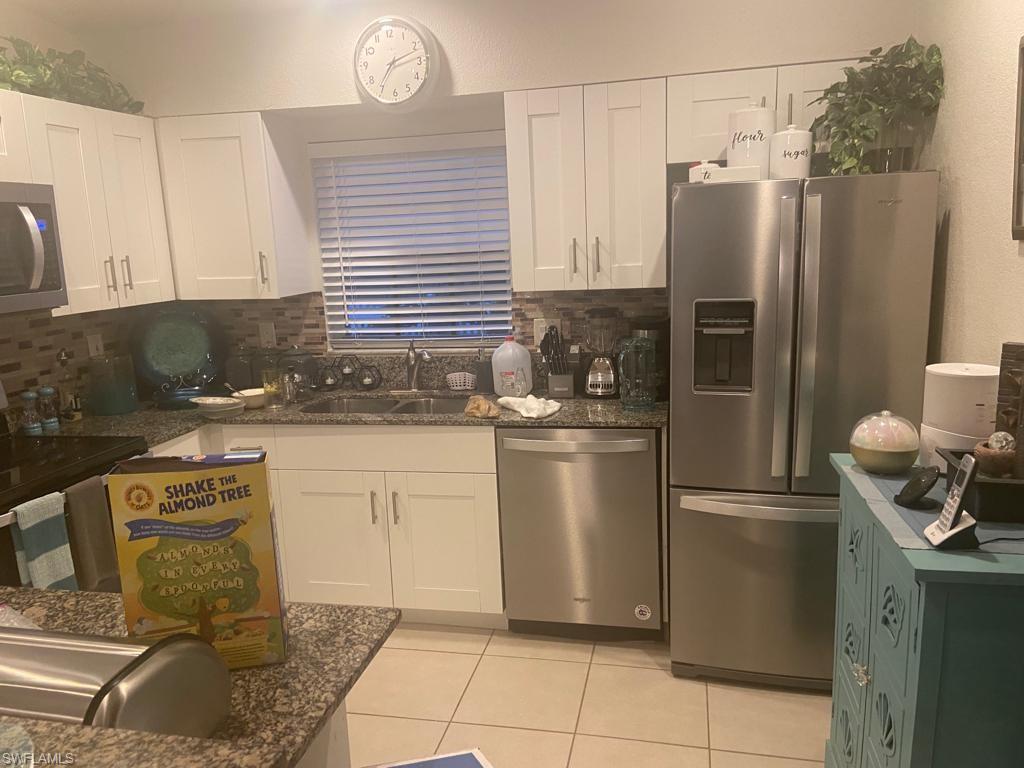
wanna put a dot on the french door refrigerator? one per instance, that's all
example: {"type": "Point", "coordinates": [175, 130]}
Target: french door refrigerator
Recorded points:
{"type": "Point", "coordinates": [797, 308]}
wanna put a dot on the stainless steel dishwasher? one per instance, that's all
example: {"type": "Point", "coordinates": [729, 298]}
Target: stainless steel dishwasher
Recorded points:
{"type": "Point", "coordinates": [579, 526]}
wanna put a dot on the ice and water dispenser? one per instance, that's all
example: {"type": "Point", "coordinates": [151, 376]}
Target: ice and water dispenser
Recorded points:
{"type": "Point", "coordinates": [723, 345]}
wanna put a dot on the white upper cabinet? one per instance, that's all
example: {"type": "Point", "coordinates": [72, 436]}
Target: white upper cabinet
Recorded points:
{"type": "Point", "coordinates": [220, 175]}
{"type": "Point", "coordinates": [64, 151]}
{"type": "Point", "coordinates": [586, 180]}
{"type": "Point", "coordinates": [14, 163]}
{"type": "Point", "coordinates": [699, 107]}
{"type": "Point", "coordinates": [546, 189]}
{"type": "Point", "coordinates": [135, 207]}
{"type": "Point", "coordinates": [805, 83]}
{"type": "Point", "coordinates": [624, 129]}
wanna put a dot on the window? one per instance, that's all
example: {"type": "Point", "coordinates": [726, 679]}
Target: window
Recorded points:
{"type": "Point", "coordinates": [414, 239]}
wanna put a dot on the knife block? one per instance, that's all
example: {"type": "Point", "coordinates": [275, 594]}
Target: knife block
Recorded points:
{"type": "Point", "coordinates": [560, 385]}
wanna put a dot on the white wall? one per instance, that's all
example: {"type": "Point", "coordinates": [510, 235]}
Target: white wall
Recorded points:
{"type": "Point", "coordinates": [301, 55]}
{"type": "Point", "coordinates": [973, 149]}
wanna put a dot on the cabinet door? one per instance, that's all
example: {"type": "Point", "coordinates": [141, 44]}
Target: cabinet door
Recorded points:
{"type": "Point", "coordinates": [804, 83]}
{"type": "Point", "coordinates": [625, 167]}
{"type": "Point", "coordinates": [64, 152]}
{"type": "Point", "coordinates": [14, 164]}
{"type": "Point", "coordinates": [699, 107]}
{"type": "Point", "coordinates": [546, 189]}
{"type": "Point", "coordinates": [445, 551]}
{"type": "Point", "coordinates": [218, 205]}
{"type": "Point", "coordinates": [334, 532]}
{"type": "Point", "coordinates": [135, 207]}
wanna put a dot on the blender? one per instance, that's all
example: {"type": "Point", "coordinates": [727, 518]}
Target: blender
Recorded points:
{"type": "Point", "coordinates": [602, 326]}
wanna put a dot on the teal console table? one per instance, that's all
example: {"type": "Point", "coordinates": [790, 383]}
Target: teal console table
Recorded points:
{"type": "Point", "coordinates": [929, 655]}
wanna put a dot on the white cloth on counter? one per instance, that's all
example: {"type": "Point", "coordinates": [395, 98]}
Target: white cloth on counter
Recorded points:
{"type": "Point", "coordinates": [531, 407]}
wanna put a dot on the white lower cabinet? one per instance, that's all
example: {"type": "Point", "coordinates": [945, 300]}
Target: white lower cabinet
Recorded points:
{"type": "Point", "coordinates": [425, 540]}
{"type": "Point", "coordinates": [334, 531]}
{"type": "Point", "coordinates": [445, 549]}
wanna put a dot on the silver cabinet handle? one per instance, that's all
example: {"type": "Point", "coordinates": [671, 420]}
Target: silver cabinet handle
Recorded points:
{"type": "Point", "coordinates": [783, 337]}
{"type": "Point", "coordinates": [244, 448]}
{"type": "Point", "coordinates": [861, 675]}
{"type": "Point", "coordinates": [394, 506]}
{"type": "Point", "coordinates": [637, 445]}
{"type": "Point", "coordinates": [597, 255]}
{"type": "Point", "coordinates": [575, 267]}
{"type": "Point", "coordinates": [263, 268]}
{"type": "Point", "coordinates": [373, 507]}
{"type": "Point", "coordinates": [126, 273]}
{"type": "Point", "coordinates": [112, 285]}
{"type": "Point", "coordinates": [808, 334]}
{"type": "Point", "coordinates": [38, 255]}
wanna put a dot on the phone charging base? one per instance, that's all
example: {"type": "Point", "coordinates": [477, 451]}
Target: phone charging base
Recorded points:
{"type": "Point", "coordinates": [960, 536]}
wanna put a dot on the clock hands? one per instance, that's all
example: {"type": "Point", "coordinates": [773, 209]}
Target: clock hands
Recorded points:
{"type": "Point", "coordinates": [395, 60]}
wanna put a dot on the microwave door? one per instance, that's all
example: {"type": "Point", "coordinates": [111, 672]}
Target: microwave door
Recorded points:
{"type": "Point", "coordinates": [22, 258]}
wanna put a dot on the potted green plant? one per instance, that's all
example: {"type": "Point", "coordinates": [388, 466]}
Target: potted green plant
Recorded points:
{"type": "Point", "coordinates": [872, 117]}
{"type": "Point", "coordinates": [60, 75]}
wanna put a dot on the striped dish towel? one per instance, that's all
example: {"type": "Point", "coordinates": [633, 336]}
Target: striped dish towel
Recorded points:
{"type": "Point", "coordinates": [41, 544]}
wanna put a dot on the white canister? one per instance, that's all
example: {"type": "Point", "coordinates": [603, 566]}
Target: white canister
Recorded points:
{"type": "Point", "coordinates": [750, 133]}
{"type": "Point", "coordinates": [791, 153]}
{"type": "Point", "coordinates": [961, 397]}
{"type": "Point", "coordinates": [933, 438]}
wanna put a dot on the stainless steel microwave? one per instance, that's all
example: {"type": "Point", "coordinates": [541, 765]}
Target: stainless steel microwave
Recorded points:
{"type": "Point", "coordinates": [31, 268]}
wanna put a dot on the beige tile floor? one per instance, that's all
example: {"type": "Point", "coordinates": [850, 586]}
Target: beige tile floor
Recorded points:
{"type": "Point", "coordinates": [532, 702]}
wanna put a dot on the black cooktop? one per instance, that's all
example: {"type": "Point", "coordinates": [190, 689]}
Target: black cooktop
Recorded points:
{"type": "Point", "coordinates": [34, 466]}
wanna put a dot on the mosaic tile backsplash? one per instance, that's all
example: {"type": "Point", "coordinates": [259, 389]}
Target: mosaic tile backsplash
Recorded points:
{"type": "Point", "coordinates": [30, 341]}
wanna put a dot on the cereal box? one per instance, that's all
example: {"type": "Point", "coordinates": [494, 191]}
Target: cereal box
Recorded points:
{"type": "Point", "coordinates": [195, 545]}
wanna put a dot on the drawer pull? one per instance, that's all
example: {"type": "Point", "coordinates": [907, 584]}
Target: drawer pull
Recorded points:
{"type": "Point", "coordinates": [234, 448]}
{"type": "Point", "coordinates": [373, 507]}
{"type": "Point", "coordinates": [861, 675]}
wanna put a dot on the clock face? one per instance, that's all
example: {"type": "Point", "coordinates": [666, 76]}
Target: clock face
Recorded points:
{"type": "Point", "coordinates": [392, 60]}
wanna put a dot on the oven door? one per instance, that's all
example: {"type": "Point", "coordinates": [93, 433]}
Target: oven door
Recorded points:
{"type": "Point", "coordinates": [31, 271]}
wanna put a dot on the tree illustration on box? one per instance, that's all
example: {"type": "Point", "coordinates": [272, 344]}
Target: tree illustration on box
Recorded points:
{"type": "Point", "coordinates": [197, 580]}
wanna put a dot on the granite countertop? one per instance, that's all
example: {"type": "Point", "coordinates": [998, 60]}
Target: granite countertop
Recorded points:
{"type": "Point", "coordinates": [276, 710]}
{"type": "Point", "coordinates": [160, 426]}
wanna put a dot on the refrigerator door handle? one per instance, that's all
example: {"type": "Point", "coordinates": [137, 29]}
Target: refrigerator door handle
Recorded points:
{"type": "Point", "coordinates": [808, 334]}
{"type": "Point", "coordinates": [712, 506]}
{"type": "Point", "coordinates": [783, 335]}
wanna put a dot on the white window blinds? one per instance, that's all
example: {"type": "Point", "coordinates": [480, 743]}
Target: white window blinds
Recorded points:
{"type": "Point", "coordinates": [415, 245]}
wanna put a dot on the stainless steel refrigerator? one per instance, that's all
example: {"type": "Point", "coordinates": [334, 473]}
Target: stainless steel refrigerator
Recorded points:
{"type": "Point", "coordinates": [797, 308]}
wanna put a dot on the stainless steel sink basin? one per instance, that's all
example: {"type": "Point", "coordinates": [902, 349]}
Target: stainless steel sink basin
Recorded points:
{"type": "Point", "coordinates": [352, 405]}
{"type": "Point", "coordinates": [420, 405]}
{"type": "Point", "coordinates": [432, 405]}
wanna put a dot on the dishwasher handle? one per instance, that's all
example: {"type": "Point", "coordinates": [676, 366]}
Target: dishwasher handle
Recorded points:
{"type": "Point", "coordinates": [632, 445]}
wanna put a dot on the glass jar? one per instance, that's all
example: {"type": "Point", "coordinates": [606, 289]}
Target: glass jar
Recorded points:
{"type": "Point", "coordinates": [30, 423]}
{"type": "Point", "coordinates": [48, 410]}
{"type": "Point", "coordinates": [638, 373]}
{"type": "Point", "coordinates": [273, 388]}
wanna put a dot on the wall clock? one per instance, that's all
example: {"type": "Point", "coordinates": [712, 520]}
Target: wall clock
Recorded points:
{"type": "Point", "coordinates": [394, 60]}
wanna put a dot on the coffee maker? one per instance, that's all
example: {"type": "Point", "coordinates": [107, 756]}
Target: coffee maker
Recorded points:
{"type": "Point", "coordinates": [602, 331]}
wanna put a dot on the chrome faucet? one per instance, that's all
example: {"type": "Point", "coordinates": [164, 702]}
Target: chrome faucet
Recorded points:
{"type": "Point", "coordinates": [413, 358]}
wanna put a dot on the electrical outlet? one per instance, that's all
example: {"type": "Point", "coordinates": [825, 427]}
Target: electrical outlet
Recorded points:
{"type": "Point", "coordinates": [541, 325]}
{"type": "Point", "coordinates": [95, 342]}
{"type": "Point", "coordinates": [268, 335]}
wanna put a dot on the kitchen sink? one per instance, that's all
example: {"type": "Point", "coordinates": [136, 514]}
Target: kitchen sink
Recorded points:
{"type": "Point", "coordinates": [432, 405]}
{"type": "Point", "coordinates": [352, 405]}
{"type": "Point", "coordinates": [421, 405]}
